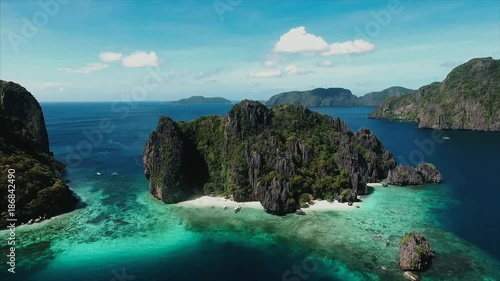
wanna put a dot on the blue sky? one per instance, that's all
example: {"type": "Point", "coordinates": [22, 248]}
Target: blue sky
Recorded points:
{"type": "Point", "coordinates": [105, 50]}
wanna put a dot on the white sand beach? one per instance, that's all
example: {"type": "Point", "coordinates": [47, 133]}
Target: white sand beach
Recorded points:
{"type": "Point", "coordinates": [220, 202]}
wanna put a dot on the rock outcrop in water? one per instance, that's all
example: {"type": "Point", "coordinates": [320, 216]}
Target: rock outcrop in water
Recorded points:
{"type": "Point", "coordinates": [415, 252]}
{"type": "Point", "coordinates": [282, 157]}
{"type": "Point", "coordinates": [406, 175]}
{"type": "Point", "coordinates": [468, 99]}
{"type": "Point", "coordinates": [24, 146]}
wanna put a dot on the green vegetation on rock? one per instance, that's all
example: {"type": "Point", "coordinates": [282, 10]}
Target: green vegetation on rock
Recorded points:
{"type": "Point", "coordinates": [284, 157]}
{"type": "Point", "coordinates": [24, 147]}
{"type": "Point", "coordinates": [468, 99]}
{"type": "Point", "coordinates": [335, 97]}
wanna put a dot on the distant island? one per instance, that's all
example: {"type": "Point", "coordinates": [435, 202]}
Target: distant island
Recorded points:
{"type": "Point", "coordinates": [376, 98]}
{"type": "Point", "coordinates": [201, 100]}
{"type": "Point", "coordinates": [24, 151]}
{"type": "Point", "coordinates": [468, 99]}
{"type": "Point", "coordinates": [335, 97]}
{"type": "Point", "coordinates": [284, 157]}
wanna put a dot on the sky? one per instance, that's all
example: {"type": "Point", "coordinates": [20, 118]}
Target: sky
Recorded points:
{"type": "Point", "coordinates": [111, 50]}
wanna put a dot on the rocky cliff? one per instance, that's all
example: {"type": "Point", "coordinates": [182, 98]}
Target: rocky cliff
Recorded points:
{"type": "Point", "coordinates": [469, 98]}
{"type": "Point", "coordinates": [282, 157]}
{"type": "Point", "coordinates": [405, 175]}
{"type": "Point", "coordinates": [415, 252]}
{"type": "Point", "coordinates": [24, 146]}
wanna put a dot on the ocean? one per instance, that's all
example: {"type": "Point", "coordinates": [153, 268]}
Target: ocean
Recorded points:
{"type": "Point", "coordinates": [120, 233]}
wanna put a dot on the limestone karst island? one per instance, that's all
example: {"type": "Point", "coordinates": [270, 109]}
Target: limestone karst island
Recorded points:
{"type": "Point", "coordinates": [249, 140]}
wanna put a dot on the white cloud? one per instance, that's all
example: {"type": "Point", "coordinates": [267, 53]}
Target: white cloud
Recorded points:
{"type": "Point", "coordinates": [295, 70]}
{"type": "Point", "coordinates": [325, 63]}
{"type": "Point", "coordinates": [297, 40]}
{"type": "Point", "coordinates": [177, 74]}
{"type": "Point", "coordinates": [350, 47]}
{"type": "Point", "coordinates": [88, 68]}
{"type": "Point", "coordinates": [266, 74]}
{"type": "Point", "coordinates": [110, 57]}
{"type": "Point", "coordinates": [140, 59]}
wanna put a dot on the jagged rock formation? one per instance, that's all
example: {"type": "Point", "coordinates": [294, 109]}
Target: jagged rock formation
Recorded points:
{"type": "Point", "coordinates": [469, 98]}
{"type": "Point", "coordinates": [415, 252]}
{"type": "Point", "coordinates": [19, 105]}
{"type": "Point", "coordinates": [335, 97]}
{"type": "Point", "coordinates": [24, 146]}
{"type": "Point", "coordinates": [282, 157]}
{"type": "Point", "coordinates": [406, 175]}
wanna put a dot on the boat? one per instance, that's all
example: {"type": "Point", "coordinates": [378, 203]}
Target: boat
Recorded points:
{"type": "Point", "coordinates": [237, 209]}
{"type": "Point", "coordinates": [99, 174]}
{"type": "Point", "coordinates": [411, 276]}
{"type": "Point", "coordinates": [114, 174]}
{"type": "Point", "coordinates": [445, 138]}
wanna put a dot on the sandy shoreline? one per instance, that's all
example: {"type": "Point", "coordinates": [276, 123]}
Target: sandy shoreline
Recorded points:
{"type": "Point", "coordinates": [220, 203]}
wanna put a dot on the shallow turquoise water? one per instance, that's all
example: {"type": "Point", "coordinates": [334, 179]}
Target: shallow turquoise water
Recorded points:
{"type": "Point", "coordinates": [122, 233]}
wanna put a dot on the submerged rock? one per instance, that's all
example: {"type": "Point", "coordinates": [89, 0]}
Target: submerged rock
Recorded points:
{"type": "Point", "coordinates": [415, 252]}
{"type": "Point", "coordinates": [406, 175]}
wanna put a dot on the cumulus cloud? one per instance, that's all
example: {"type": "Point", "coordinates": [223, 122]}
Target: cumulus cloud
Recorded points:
{"type": "Point", "coordinates": [325, 63]}
{"type": "Point", "coordinates": [88, 68]}
{"type": "Point", "coordinates": [297, 40]}
{"type": "Point", "coordinates": [349, 47]}
{"type": "Point", "coordinates": [110, 57]}
{"type": "Point", "coordinates": [141, 59]}
{"type": "Point", "coordinates": [266, 74]}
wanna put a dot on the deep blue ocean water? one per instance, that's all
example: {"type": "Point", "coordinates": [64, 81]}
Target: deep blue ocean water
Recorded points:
{"type": "Point", "coordinates": [121, 233]}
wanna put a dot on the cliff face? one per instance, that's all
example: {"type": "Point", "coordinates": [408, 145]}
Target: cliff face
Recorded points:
{"type": "Point", "coordinates": [405, 175]}
{"type": "Point", "coordinates": [282, 157]}
{"type": "Point", "coordinates": [18, 104]}
{"type": "Point", "coordinates": [40, 191]}
{"type": "Point", "coordinates": [469, 98]}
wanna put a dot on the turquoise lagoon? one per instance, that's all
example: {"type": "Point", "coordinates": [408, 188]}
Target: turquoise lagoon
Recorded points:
{"type": "Point", "coordinates": [121, 233]}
